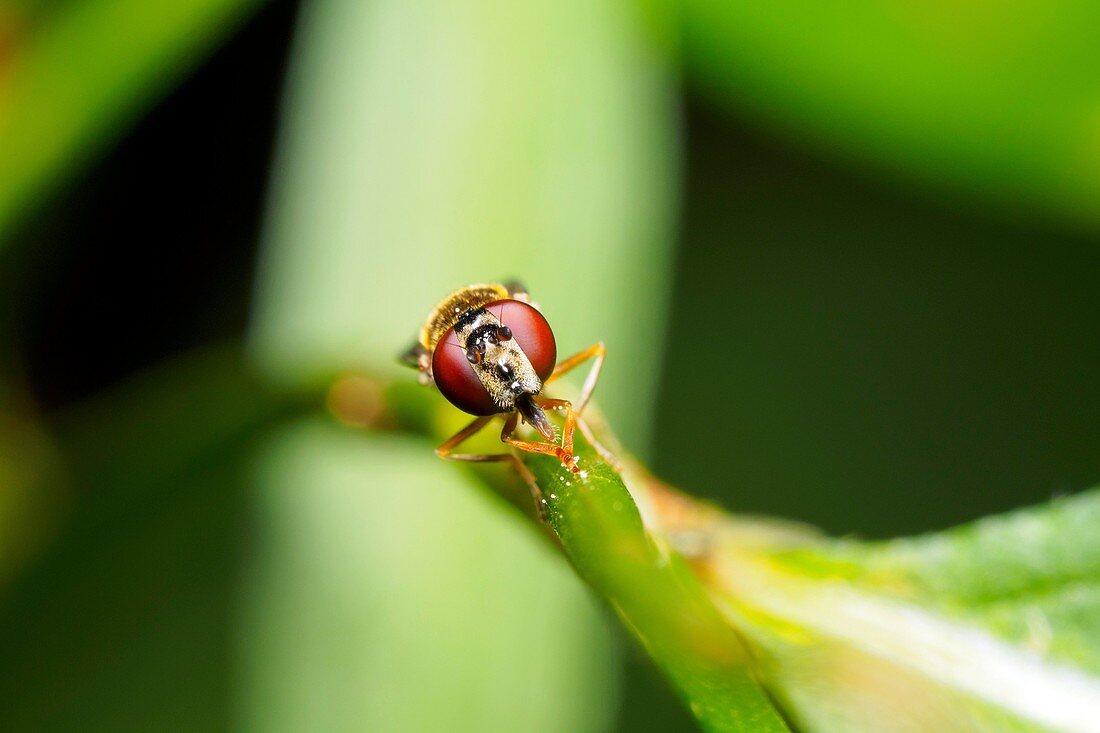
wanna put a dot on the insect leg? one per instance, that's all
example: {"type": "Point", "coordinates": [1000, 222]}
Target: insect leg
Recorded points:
{"type": "Point", "coordinates": [570, 420]}
{"type": "Point", "coordinates": [596, 352]}
{"type": "Point", "coordinates": [446, 447]}
{"type": "Point", "coordinates": [563, 452]}
{"type": "Point", "coordinates": [445, 450]}
{"type": "Point", "coordinates": [573, 421]}
{"type": "Point", "coordinates": [607, 455]}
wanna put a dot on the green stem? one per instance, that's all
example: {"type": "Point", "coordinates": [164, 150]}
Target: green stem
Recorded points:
{"type": "Point", "coordinates": [600, 529]}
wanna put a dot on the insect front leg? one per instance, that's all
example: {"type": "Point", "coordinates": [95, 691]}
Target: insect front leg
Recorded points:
{"type": "Point", "coordinates": [596, 352]}
{"type": "Point", "coordinates": [563, 452]}
{"type": "Point", "coordinates": [447, 447]}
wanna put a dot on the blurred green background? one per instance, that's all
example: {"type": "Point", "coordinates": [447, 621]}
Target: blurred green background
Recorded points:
{"type": "Point", "coordinates": [848, 256]}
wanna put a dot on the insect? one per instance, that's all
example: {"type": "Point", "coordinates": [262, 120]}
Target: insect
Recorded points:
{"type": "Point", "coordinates": [490, 352]}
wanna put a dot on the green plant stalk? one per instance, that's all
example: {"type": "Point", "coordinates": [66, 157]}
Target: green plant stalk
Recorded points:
{"type": "Point", "coordinates": [596, 521]}
{"type": "Point", "coordinates": [654, 593]}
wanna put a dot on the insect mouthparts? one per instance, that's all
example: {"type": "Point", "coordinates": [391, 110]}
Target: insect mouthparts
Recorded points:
{"type": "Point", "coordinates": [535, 416]}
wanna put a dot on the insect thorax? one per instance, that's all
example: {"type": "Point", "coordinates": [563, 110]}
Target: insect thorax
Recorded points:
{"type": "Point", "coordinates": [454, 306]}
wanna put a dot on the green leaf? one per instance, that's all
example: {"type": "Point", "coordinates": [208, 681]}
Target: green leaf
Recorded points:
{"type": "Point", "coordinates": [999, 102]}
{"type": "Point", "coordinates": [991, 626]}
{"type": "Point", "coordinates": [74, 73]}
{"type": "Point", "coordinates": [1032, 577]}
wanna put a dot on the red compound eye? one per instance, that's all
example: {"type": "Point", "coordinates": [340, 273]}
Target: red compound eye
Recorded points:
{"type": "Point", "coordinates": [455, 376]}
